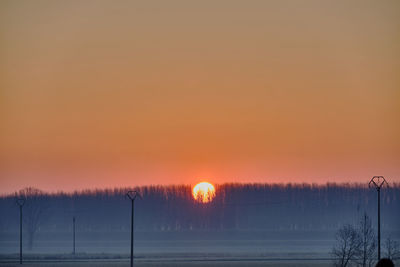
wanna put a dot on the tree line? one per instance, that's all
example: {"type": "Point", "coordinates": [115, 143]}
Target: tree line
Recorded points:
{"type": "Point", "coordinates": [286, 207]}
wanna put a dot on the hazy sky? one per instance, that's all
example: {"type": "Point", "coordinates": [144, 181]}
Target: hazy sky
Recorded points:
{"type": "Point", "coordinates": [122, 93]}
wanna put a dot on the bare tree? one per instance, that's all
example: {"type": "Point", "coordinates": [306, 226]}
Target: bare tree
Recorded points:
{"type": "Point", "coordinates": [367, 251]}
{"type": "Point", "coordinates": [33, 211]}
{"type": "Point", "coordinates": [392, 249]}
{"type": "Point", "coordinates": [348, 244]}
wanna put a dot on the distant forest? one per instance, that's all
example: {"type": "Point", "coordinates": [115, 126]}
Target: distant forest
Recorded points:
{"type": "Point", "coordinates": [172, 208]}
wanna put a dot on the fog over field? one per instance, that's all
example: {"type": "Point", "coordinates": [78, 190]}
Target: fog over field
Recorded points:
{"type": "Point", "coordinates": [244, 222]}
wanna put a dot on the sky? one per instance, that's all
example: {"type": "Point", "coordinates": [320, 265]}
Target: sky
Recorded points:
{"type": "Point", "coordinates": [98, 94]}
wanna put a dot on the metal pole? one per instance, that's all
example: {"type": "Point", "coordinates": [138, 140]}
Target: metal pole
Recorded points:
{"type": "Point", "coordinates": [379, 223]}
{"type": "Point", "coordinates": [133, 204]}
{"type": "Point", "coordinates": [132, 196]}
{"type": "Point", "coordinates": [378, 182]}
{"type": "Point", "coordinates": [20, 202]}
{"type": "Point", "coordinates": [73, 234]}
{"type": "Point", "coordinates": [20, 234]}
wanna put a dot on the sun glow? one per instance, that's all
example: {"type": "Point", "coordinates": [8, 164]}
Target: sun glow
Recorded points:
{"type": "Point", "coordinates": [203, 192]}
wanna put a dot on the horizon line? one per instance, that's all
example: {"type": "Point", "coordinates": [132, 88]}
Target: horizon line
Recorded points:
{"type": "Point", "coordinates": [120, 188]}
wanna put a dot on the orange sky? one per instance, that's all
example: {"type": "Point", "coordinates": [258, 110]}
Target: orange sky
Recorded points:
{"type": "Point", "coordinates": [118, 93]}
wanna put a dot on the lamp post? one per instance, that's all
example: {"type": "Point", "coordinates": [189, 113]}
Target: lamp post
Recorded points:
{"type": "Point", "coordinates": [20, 202]}
{"type": "Point", "coordinates": [132, 196]}
{"type": "Point", "coordinates": [378, 182]}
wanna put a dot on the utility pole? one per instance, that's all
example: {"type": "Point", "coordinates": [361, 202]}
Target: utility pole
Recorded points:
{"type": "Point", "coordinates": [20, 203]}
{"type": "Point", "coordinates": [378, 182]}
{"type": "Point", "coordinates": [73, 235]}
{"type": "Point", "coordinates": [132, 196]}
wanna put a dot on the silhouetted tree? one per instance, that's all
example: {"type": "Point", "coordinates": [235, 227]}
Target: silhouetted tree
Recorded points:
{"type": "Point", "coordinates": [368, 242]}
{"type": "Point", "coordinates": [34, 209]}
{"type": "Point", "coordinates": [392, 249]}
{"type": "Point", "coordinates": [348, 245]}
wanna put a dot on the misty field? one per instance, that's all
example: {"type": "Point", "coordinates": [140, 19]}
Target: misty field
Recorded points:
{"type": "Point", "coordinates": [181, 263]}
{"type": "Point", "coordinates": [191, 264]}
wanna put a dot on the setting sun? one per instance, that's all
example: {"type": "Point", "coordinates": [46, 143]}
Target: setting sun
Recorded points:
{"type": "Point", "coordinates": [203, 192]}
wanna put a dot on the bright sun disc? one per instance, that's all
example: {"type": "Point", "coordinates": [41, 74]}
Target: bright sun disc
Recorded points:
{"type": "Point", "coordinates": [203, 192]}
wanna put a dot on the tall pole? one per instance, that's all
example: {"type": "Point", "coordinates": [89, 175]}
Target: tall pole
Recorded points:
{"type": "Point", "coordinates": [20, 203]}
{"type": "Point", "coordinates": [132, 196]}
{"type": "Point", "coordinates": [378, 182]}
{"type": "Point", "coordinates": [132, 216]}
{"type": "Point", "coordinates": [379, 222]}
{"type": "Point", "coordinates": [20, 234]}
{"type": "Point", "coordinates": [73, 235]}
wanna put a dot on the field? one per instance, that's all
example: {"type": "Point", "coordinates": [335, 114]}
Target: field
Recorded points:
{"type": "Point", "coordinates": [166, 260]}
{"type": "Point", "coordinates": [179, 263]}
{"type": "Point", "coordinates": [189, 264]}
{"type": "Point", "coordinates": [209, 249]}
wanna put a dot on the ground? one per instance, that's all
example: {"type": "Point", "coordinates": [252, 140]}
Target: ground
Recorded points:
{"type": "Point", "coordinates": [283, 263]}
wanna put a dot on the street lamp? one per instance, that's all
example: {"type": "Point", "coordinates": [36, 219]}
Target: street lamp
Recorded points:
{"type": "Point", "coordinates": [20, 202]}
{"type": "Point", "coordinates": [378, 182]}
{"type": "Point", "coordinates": [132, 196]}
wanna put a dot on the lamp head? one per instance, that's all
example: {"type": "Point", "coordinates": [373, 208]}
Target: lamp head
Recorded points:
{"type": "Point", "coordinates": [377, 182]}
{"type": "Point", "coordinates": [20, 201]}
{"type": "Point", "coordinates": [133, 194]}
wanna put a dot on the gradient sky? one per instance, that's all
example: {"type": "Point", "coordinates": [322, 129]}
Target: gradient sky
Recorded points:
{"type": "Point", "coordinates": [120, 93]}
